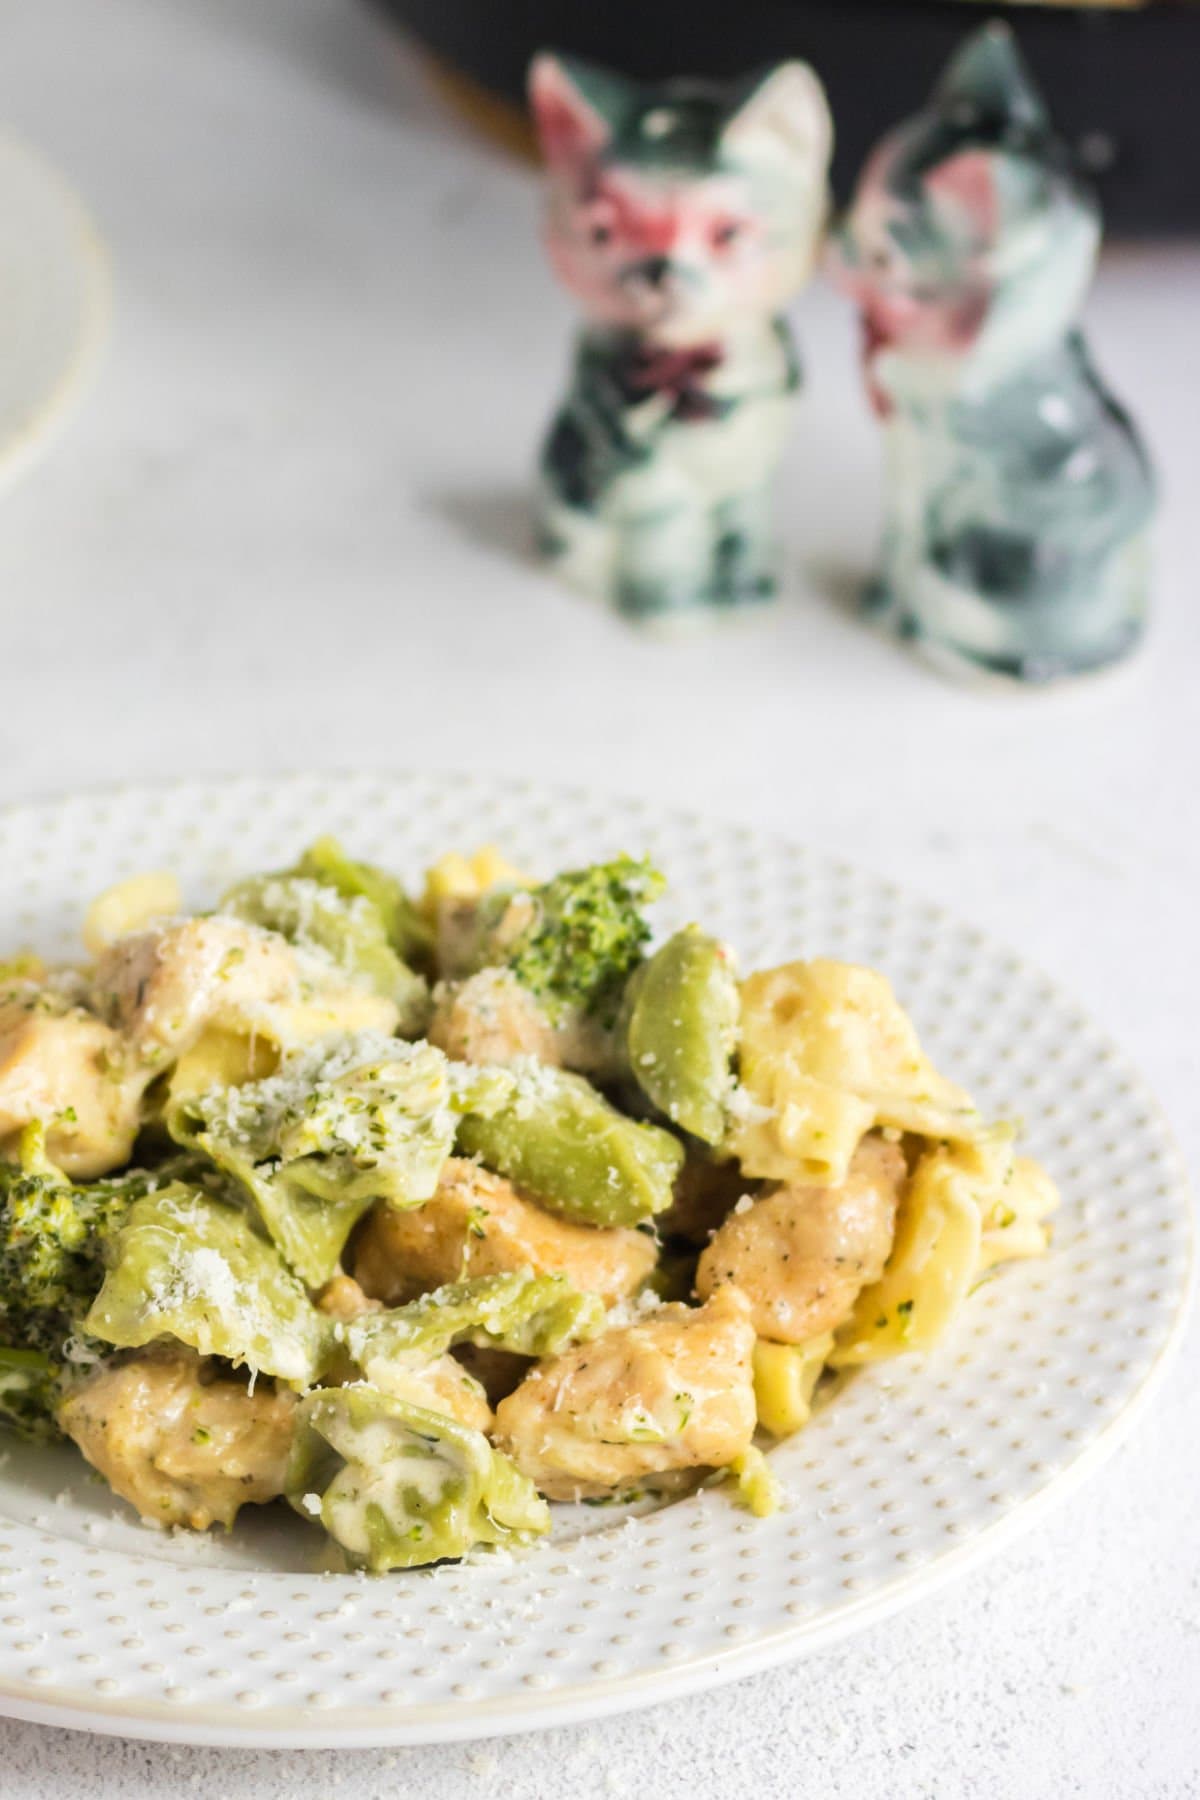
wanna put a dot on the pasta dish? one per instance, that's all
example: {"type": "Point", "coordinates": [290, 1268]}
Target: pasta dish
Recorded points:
{"type": "Point", "coordinates": [416, 1213]}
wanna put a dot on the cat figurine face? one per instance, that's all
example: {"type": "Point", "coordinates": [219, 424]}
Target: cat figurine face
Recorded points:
{"type": "Point", "coordinates": [681, 210]}
{"type": "Point", "coordinates": [1017, 489]}
{"type": "Point", "coordinates": [969, 244]}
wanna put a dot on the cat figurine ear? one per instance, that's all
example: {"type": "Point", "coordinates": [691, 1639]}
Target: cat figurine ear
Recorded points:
{"type": "Point", "coordinates": [783, 123]}
{"type": "Point", "coordinates": [569, 125]}
{"type": "Point", "coordinates": [1018, 491]}
{"type": "Point", "coordinates": [681, 216]}
{"type": "Point", "coordinates": [986, 84]}
{"type": "Point", "coordinates": [785, 114]}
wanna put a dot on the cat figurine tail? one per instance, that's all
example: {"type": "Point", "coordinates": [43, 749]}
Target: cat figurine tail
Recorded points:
{"type": "Point", "coordinates": [681, 216]}
{"type": "Point", "coordinates": [1018, 492]}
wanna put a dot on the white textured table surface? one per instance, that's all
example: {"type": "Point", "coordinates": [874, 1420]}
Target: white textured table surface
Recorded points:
{"type": "Point", "coordinates": [286, 529]}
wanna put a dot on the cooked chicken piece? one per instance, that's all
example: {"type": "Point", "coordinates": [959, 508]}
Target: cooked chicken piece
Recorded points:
{"type": "Point", "coordinates": [479, 1224]}
{"type": "Point", "coordinates": [182, 1446]}
{"type": "Point", "coordinates": [672, 1392]}
{"type": "Point", "coordinates": [802, 1254]}
{"type": "Point", "coordinates": [164, 986]}
{"type": "Point", "coordinates": [343, 1299]}
{"type": "Point", "coordinates": [63, 1066]}
{"type": "Point", "coordinates": [441, 1386]}
{"type": "Point", "coordinates": [491, 1018]}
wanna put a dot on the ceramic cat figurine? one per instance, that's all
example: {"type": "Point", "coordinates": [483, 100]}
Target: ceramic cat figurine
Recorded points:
{"type": "Point", "coordinates": [1018, 491]}
{"type": "Point", "coordinates": [681, 217]}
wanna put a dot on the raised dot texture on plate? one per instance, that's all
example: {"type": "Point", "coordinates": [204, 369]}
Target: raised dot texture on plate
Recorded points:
{"type": "Point", "coordinates": [914, 1468]}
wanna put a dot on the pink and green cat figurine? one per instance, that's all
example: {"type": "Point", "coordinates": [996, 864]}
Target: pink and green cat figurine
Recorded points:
{"type": "Point", "coordinates": [1018, 493]}
{"type": "Point", "coordinates": [682, 217]}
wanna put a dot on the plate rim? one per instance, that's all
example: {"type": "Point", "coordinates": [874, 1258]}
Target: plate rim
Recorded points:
{"type": "Point", "coordinates": [295, 1727]}
{"type": "Point", "coordinates": [219, 1726]}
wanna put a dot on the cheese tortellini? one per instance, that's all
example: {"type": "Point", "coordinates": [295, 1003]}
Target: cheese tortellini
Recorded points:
{"type": "Point", "coordinates": [829, 1064]}
{"type": "Point", "coordinates": [968, 1206]}
{"type": "Point", "coordinates": [827, 1053]}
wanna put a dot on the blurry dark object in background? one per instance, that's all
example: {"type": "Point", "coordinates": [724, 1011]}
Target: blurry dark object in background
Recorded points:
{"type": "Point", "coordinates": [1120, 79]}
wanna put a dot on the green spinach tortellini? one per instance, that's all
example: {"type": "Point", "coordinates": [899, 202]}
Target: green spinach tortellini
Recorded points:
{"type": "Point", "coordinates": [189, 1266]}
{"type": "Point", "coordinates": [368, 1118]}
{"type": "Point", "coordinates": [533, 1315]}
{"type": "Point", "coordinates": [342, 925]}
{"type": "Point", "coordinates": [406, 931]}
{"type": "Point", "coordinates": [563, 1142]}
{"type": "Point", "coordinates": [679, 1028]}
{"type": "Point", "coordinates": [397, 1486]}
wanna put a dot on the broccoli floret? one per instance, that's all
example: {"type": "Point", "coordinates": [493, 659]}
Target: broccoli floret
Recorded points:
{"type": "Point", "coordinates": [585, 935]}
{"type": "Point", "coordinates": [28, 1393]}
{"type": "Point", "coordinates": [52, 1237]}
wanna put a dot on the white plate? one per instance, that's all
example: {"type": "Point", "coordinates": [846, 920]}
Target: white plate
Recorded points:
{"type": "Point", "coordinates": [53, 302]}
{"type": "Point", "coordinates": [916, 1469]}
